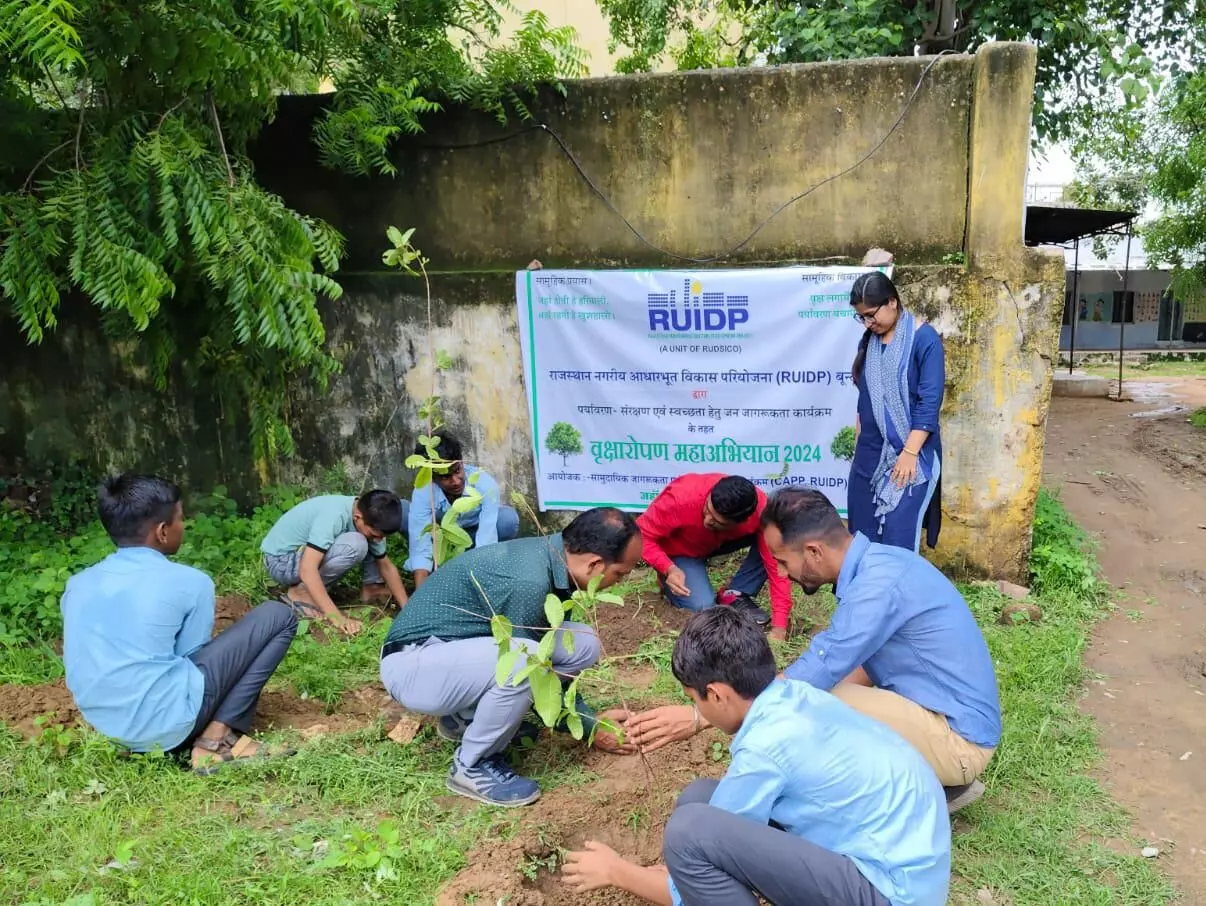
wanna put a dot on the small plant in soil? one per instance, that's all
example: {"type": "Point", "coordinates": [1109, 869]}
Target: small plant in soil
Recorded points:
{"type": "Point", "coordinates": [54, 739]}
{"type": "Point", "coordinates": [552, 702]}
{"type": "Point", "coordinates": [554, 697]}
{"type": "Point", "coordinates": [448, 538]}
{"type": "Point", "coordinates": [377, 851]}
{"type": "Point", "coordinates": [534, 864]}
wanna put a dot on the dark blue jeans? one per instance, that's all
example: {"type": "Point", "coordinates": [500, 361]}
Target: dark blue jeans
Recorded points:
{"type": "Point", "coordinates": [748, 580]}
{"type": "Point", "coordinates": [238, 663]}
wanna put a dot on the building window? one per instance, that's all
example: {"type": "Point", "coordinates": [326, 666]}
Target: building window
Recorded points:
{"type": "Point", "coordinates": [1117, 315]}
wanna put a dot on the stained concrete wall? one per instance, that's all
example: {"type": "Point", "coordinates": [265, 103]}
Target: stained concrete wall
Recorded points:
{"type": "Point", "coordinates": [695, 161]}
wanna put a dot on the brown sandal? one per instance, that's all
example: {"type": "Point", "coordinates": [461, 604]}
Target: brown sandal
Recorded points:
{"type": "Point", "coordinates": [219, 747]}
{"type": "Point", "coordinates": [239, 746]}
{"type": "Point", "coordinates": [301, 609]}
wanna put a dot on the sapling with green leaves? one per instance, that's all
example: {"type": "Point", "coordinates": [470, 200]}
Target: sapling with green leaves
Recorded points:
{"type": "Point", "coordinates": [448, 539]}
{"type": "Point", "coordinates": [555, 701]}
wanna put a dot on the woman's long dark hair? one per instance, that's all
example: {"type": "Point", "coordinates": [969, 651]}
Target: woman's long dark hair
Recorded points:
{"type": "Point", "coordinates": [874, 289]}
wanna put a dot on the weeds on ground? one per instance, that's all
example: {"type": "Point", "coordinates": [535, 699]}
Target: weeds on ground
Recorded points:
{"type": "Point", "coordinates": [348, 819]}
{"type": "Point", "coordinates": [36, 560]}
{"type": "Point", "coordinates": [325, 669]}
{"type": "Point", "coordinates": [1197, 418]}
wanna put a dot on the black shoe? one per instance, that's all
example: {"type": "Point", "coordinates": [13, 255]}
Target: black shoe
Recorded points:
{"type": "Point", "coordinates": [959, 797]}
{"type": "Point", "coordinates": [748, 606]}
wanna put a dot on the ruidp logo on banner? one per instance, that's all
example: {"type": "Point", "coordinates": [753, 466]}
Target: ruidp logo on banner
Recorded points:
{"type": "Point", "coordinates": [695, 311]}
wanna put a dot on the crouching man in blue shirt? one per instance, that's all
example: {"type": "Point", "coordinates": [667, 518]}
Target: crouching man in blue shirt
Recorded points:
{"type": "Point", "coordinates": [819, 805]}
{"type": "Point", "coordinates": [925, 669]}
{"type": "Point", "coordinates": [136, 638]}
{"type": "Point", "coordinates": [487, 523]}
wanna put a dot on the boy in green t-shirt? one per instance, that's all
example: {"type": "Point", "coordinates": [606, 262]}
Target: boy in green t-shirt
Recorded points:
{"type": "Point", "coordinates": [320, 539]}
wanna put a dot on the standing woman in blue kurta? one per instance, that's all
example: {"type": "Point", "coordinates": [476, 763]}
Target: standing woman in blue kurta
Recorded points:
{"type": "Point", "coordinates": [900, 372]}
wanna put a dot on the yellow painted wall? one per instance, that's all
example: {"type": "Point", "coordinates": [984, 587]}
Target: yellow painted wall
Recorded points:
{"type": "Point", "coordinates": [586, 18]}
{"type": "Point", "coordinates": [696, 161]}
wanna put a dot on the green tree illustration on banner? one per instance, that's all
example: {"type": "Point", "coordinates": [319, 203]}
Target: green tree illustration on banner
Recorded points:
{"type": "Point", "coordinates": [564, 439]}
{"type": "Point", "coordinates": [843, 444]}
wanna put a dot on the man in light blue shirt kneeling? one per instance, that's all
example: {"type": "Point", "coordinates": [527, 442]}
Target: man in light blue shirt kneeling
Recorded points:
{"type": "Point", "coordinates": [819, 805]}
{"type": "Point", "coordinates": [487, 523]}
{"type": "Point", "coordinates": [903, 647]}
{"type": "Point", "coordinates": [137, 644]}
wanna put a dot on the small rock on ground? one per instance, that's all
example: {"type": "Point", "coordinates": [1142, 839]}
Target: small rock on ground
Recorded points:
{"type": "Point", "coordinates": [405, 731]}
{"type": "Point", "coordinates": [1009, 589]}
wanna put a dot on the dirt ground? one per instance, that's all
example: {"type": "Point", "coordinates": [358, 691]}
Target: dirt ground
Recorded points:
{"type": "Point", "coordinates": [1138, 482]}
{"type": "Point", "coordinates": [625, 808]}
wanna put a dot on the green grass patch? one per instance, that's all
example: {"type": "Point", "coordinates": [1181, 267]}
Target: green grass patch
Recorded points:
{"type": "Point", "coordinates": [1197, 418]}
{"type": "Point", "coordinates": [348, 819]}
{"type": "Point", "coordinates": [326, 670]}
{"type": "Point", "coordinates": [1187, 368]}
{"type": "Point", "coordinates": [1040, 836]}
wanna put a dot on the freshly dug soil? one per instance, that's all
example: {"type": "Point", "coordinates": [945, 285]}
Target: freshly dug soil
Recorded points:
{"type": "Point", "coordinates": [626, 808]}
{"type": "Point", "coordinates": [20, 706]}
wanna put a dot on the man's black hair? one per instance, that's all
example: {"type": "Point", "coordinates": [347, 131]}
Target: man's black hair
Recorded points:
{"type": "Point", "coordinates": [448, 449]}
{"type": "Point", "coordinates": [132, 505]}
{"type": "Point", "coordinates": [734, 498]}
{"type": "Point", "coordinates": [604, 531]}
{"type": "Point", "coordinates": [381, 510]}
{"type": "Point", "coordinates": [723, 645]}
{"type": "Point", "coordinates": [802, 514]}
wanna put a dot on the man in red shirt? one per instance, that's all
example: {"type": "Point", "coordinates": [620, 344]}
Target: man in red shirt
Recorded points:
{"type": "Point", "coordinates": [698, 517]}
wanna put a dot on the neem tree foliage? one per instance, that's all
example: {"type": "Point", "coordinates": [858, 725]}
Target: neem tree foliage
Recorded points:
{"type": "Point", "coordinates": [124, 177]}
{"type": "Point", "coordinates": [1089, 51]}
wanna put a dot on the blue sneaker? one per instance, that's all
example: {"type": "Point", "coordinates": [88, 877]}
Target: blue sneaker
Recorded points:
{"type": "Point", "coordinates": [493, 782]}
{"type": "Point", "coordinates": [452, 728]}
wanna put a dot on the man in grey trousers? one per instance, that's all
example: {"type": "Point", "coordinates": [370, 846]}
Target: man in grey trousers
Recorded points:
{"type": "Point", "coordinates": [819, 805]}
{"type": "Point", "coordinates": [440, 658]}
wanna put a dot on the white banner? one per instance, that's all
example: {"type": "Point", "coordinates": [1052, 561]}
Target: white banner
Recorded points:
{"type": "Point", "coordinates": [636, 377]}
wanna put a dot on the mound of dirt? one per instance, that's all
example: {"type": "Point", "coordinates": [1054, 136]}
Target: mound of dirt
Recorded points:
{"type": "Point", "coordinates": [228, 609]}
{"type": "Point", "coordinates": [1174, 443]}
{"type": "Point", "coordinates": [626, 809]}
{"type": "Point", "coordinates": [642, 617]}
{"type": "Point", "coordinates": [284, 710]}
{"type": "Point", "coordinates": [20, 706]}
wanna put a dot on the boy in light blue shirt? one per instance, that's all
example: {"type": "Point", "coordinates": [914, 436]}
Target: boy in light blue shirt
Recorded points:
{"type": "Point", "coordinates": [136, 637]}
{"type": "Point", "coordinates": [320, 539]}
{"type": "Point", "coordinates": [487, 523]}
{"type": "Point", "coordinates": [819, 805]}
